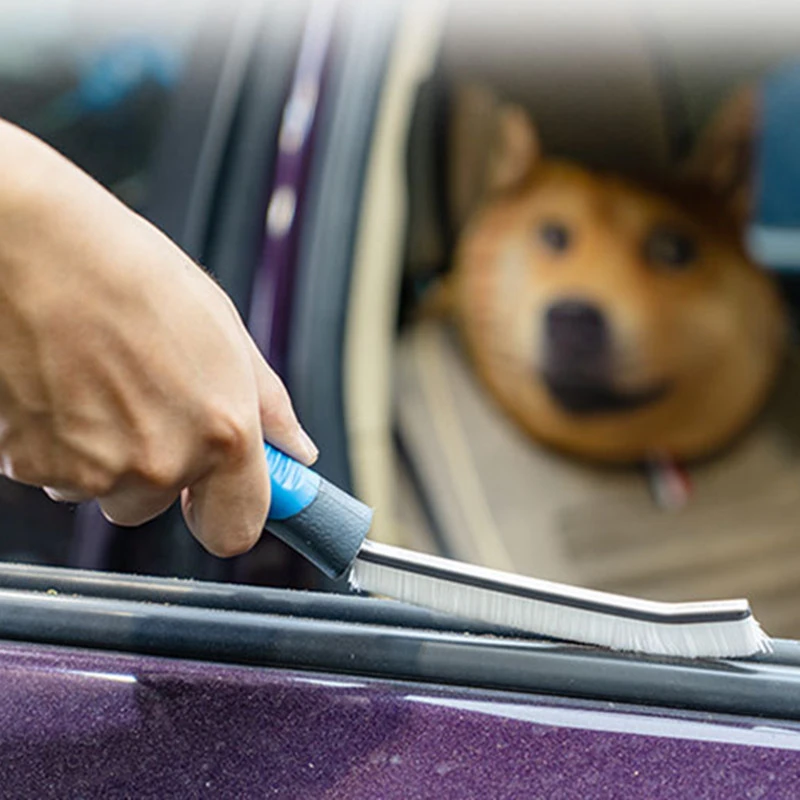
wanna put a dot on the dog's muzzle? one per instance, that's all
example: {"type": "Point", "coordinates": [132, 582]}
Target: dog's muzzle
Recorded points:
{"type": "Point", "coordinates": [577, 342]}
{"type": "Point", "coordinates": [578, 362]}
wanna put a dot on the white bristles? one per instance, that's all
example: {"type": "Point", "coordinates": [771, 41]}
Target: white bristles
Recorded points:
{"type": "Point", "coordinates": [559, 616]}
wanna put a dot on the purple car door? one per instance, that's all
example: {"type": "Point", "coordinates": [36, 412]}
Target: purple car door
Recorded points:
{"type": "Point", "coordinates": [116, 687]}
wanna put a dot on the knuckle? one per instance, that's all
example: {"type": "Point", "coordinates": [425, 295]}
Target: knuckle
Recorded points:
{"type": "Point", "coordinates": [158, 468]}
{"type": "Point", "coordinates": [276, 414]}
{"type": "Point", "coordinates": [25, 469]}
{"type": "Point", "coordinates": [231, 433]}
{"type": "Point", "coordinates": [96, 483]}
{"type": "Point", "coordinates": [30, 466]}
{"type": "Point", "coordinates": [58, 468]}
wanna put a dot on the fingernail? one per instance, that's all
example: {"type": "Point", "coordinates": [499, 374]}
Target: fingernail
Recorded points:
{"type": "Point", "coordinates": [307, 447]}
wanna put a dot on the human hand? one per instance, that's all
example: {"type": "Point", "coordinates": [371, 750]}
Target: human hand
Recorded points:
{"type": "Point", "coordinates": [126, 373]}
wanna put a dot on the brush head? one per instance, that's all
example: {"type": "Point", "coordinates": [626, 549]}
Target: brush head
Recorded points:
{"type": "Point", "coordinates": [722, 629]}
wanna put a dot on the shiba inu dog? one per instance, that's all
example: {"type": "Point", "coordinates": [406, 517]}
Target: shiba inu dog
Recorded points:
{"type": "Point", "coordinates": [610, 320]}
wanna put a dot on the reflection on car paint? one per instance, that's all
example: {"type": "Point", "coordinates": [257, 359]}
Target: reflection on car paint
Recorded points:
{"type": "Point", "coordinates": [80, 724]}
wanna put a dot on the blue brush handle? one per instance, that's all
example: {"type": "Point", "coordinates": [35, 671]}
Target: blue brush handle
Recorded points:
{"type": "Point", "coordinates": [314, 517]}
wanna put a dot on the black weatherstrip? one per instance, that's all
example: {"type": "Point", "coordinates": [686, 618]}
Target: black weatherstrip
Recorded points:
{"type": "Point", "coordinates": [187, 165]}
{"type": "Point", "coordinates": [362, 41]}
{"type": "Point", "coordinates": [355, 636]}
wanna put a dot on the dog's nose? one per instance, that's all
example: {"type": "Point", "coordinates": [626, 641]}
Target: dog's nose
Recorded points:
{"type": "Point", "coordinates": [576, 329]}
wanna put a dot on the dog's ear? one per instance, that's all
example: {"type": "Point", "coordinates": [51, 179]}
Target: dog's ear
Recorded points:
{"type": "Point", "coordinates": [515, 150]}
{"type": "Point", "coordinates": [490, 146]}
{"type": "Point", "coordinates": [722, 159]}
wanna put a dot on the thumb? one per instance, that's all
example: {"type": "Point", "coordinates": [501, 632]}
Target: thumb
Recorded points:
{"type": "Point", "coordinates": [278, 420]}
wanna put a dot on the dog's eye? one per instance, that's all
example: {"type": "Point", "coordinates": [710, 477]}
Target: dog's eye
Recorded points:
{"type": "Point", "coordinates": [555, 236]}
{"type": "Point", "coordinates": [670, 248]}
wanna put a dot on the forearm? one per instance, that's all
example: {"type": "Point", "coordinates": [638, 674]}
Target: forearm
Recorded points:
{"type": "Point", "coordinates": [58, 227]}
{"type": "Point", "coordinates": [29, 167]}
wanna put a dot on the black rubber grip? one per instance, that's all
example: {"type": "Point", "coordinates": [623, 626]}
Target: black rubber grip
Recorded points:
{"type": "Point", "coordinates": [329, 531]}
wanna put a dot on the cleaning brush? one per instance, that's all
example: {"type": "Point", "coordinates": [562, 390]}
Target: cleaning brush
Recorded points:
{"type": "Point", "coordinates": [329, 528]}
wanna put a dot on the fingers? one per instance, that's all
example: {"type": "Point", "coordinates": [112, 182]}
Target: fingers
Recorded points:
{"type": "Point", "coordinates": [226, 507]}
{"type": "Point", "coordinates": [278, 421]}
{"type": "Point", "coordinates": [135, 506]}
{"type": "Point", "coordinates": [127, 507]}
{"type": "Point", "coordinates": [66, 495]}
{"type": "Point", "coordinates": [226, 510]}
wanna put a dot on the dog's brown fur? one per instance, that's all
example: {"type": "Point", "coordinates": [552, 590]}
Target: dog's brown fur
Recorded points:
{"type": "Point", "coordinates": [709, 333]}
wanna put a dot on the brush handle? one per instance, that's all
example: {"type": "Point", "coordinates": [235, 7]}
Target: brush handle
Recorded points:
{"type": "Point", "coordinates": [318, 520]}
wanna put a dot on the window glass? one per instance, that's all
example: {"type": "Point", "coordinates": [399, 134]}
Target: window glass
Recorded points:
{"type": "Point", "coordinates": [95, 80]}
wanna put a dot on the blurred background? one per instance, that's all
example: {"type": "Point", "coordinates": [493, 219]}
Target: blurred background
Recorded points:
{"type": "Point", "coordinates": [305, 153]}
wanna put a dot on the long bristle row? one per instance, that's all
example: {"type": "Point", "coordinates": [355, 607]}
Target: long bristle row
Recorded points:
{"type": "Point", "coordinates": [717, 639]}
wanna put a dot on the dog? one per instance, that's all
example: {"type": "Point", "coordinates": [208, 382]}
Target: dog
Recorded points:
{"type": "Point", "coordinates": [611, 320]}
